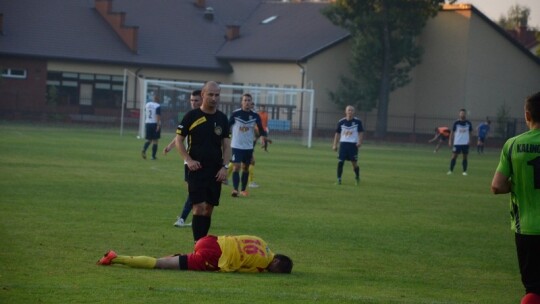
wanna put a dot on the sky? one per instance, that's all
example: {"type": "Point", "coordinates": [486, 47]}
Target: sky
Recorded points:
{"type": "Point", "coordinates": [495, 8]}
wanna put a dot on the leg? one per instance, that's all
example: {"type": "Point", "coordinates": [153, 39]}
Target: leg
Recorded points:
{"type": "Point", "coordinates": [339, 171]}
{"type": "Point", "coordinates": [202, 217]}
{"type": "Point", "coordinates": [437, 146]}
{"type": "Point", "coordinates": [187, 208]}
{"type": "Point", "coordinates": [236, 178]}
{"type": "Point", "coordinates": [528, 254]}
{"type": "Point", "coordinates": [245, 176]}
{"type": "Point", "coordinates": [171, 262]}
{"type": "Point", "coordinates": [356, 170]}
{"type": "Point", "coordinates": [452, 163]}
{"type": "Point", "coordinates": [145, 147]}
{"type": "Point", "coordinates": [465, 163]}
{"type": "Point", "coordinates": [154, 148]}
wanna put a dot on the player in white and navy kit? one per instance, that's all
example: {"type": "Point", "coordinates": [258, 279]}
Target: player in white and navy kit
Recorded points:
{"type": "Point", "coordinates": [350, 134]}
{"type": "Point", "coordinates": [243, 122]}
{"type": "Point", "coordinates": [152, 116]}
{"type": "Point", "coordinates": [459, 141]}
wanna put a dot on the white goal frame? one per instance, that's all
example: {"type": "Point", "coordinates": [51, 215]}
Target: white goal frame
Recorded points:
{"type": "Point", "coordinates": [228, 90]}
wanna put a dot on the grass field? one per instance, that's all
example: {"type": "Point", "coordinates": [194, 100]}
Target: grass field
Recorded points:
{"type": "Point", "coordinates": [408, 234]}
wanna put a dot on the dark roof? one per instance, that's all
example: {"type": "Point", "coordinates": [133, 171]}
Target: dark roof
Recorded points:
{"type": "Point", "coordinates": [524, 36]}
{"type": "Point", "coordinates": [297, 31]}
{"type": "Point", "coordinates": [171, 33]}
{"type": "Point", "coordinates": [174, 33]}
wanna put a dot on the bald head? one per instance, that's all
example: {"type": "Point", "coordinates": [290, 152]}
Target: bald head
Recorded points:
{"type": "Point", "coordinates": [210, 97]}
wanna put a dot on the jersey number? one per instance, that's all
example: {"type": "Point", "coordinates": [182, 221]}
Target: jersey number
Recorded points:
{"type": "Point", "coordinates": [252, 247]}
{"type": "Point", "coordinates": [535, 163]}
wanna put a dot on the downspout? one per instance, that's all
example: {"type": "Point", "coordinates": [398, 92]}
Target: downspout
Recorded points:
{"type": "Point", "coordinates": [303, 72]}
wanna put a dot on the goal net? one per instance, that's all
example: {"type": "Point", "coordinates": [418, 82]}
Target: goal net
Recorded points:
{"type": "Point", "coordinates": [290, 110]}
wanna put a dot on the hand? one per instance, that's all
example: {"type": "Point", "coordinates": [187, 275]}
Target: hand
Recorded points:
{"type": "Point", "coordinates": [334, 148]}
{"type": "Point", "coordinates": [221, 176]}
{"type": "Point", "coordinates": [193, 165]}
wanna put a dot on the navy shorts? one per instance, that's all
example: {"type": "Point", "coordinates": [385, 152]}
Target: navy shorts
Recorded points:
{"type": "Point", "coordinates": [242, 156]}
{"type": "Point", "coordinates": [348, 151]}
{"type": "Point", "coordinates": [457, 149]}
{"type": "Point", "coordinates": [203, 186]}
{"type": "Point", "coordinates": [152, 131]}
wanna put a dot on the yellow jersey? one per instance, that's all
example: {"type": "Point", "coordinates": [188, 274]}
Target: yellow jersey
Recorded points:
{"type": "Point", "coordinates": [243, 253]}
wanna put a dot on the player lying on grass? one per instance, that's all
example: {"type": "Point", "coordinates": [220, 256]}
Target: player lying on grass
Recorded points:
{"type": "Point", "coordinates": [242, 253]}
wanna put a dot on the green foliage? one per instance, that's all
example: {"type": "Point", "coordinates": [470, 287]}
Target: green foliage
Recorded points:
{"type": "Point", "coordinates": [408, 234]}
{"type": "Point", "coordinates": [517, 16]}
{"type": "Point", "coordinates": [367, 21]}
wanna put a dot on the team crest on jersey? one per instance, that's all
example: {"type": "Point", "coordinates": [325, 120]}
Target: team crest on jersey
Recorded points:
{"type": "Point", "coordinates": [218, 130]}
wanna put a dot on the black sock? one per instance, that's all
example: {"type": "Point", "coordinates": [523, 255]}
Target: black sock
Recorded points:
{"type": "Point", "coordinates": [200, 226]}
{"type": "Point", "coordinates": [339, 169]}
{"type": "Point", "coordinates": [245, 177]}
{"type": "Point", "coordinates": [357, 172]}
{"type": "Point", "coordinates": [452, 164]}
{"type": "Point", "coordinates": [465, 163]}
{"type": "Point", "coordinates": [145, 147]}
{"type": "Point", "coordinates": [154, 150]}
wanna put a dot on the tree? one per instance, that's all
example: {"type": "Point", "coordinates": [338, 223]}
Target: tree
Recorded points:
{"type": "Point", "coordinates": [384, 49]}
{"type": "Point", "coordinates": [516, 17]}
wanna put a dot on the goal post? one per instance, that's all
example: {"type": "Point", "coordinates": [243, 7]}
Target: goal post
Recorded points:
{"type": "Point", "coordinates": [290, 110]}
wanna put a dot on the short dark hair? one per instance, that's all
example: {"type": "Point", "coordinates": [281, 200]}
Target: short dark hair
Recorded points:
{"type": "Point", "coordinates": [247, 95]}
{"type": "Point", "coordinates": [463, 110]}
{"type": "Point", "coordinates": [284, 264]}
{"type": "Point", "coordinates": [196, 93]}
{"type": "Point", "coordinates": [532, 105]}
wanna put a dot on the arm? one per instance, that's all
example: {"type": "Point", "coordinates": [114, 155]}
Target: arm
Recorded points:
{"type": "Point", "coordinates": [221, 176]}
{"type": "Point", "coordinates": [193, 165]}
{"type": "Point", "coordinates": [158, 119]}
{"type": "Point", "coordinates": [500, 184]}
{"type": "Point", "coordinates": [451, 138]}
{"type": "Point", "coordinates": [170, 146]}
{"type": "Point", "coordinates": [336, 139]}
{"type": "Point", "coordinates": [360, 139]}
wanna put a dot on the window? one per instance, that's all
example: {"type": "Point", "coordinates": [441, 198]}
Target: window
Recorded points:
{"type": "Point", "coordinates": [255, 93]}
{"type": "Point", "coordinates": [97, 90]}
{"type": "Point", "coordinates": [14, 73]}
{"type": "Point", "coordinates": [272, 96]}
{"type": "Point", "coordinates": [290, 98]}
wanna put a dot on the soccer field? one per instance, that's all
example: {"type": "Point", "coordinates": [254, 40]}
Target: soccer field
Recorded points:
{"type": "Point", "coordinates": [408, 234]}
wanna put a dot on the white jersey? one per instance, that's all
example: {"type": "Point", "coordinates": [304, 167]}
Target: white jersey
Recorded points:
{"type": "Point", "coordinates": [462, 130]}
{"type": "Point", "coordinates": [243, 129]}
{"type": "Point", "coordinates": [349, 130]}
{"type": "Point", "coordinates": [152, 110]}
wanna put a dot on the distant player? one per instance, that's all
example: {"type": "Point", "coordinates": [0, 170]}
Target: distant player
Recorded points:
{"type": "Point", "coordinates": [243, 122]}
{"type": "Point", "coordinates": [195, 102]}
{"type": "Point", "coordinates": [460, 139]}
{"type": "Point", "coordinates": [482, 130]}
{"type": "Point", "coordinates": [152, 115]}
{"type": "Point", "coordinates": [350, 134]}
{"type": "Point", "coordinates": [264, 120]}
{"type": "Point", "coordinates": [241, 253]}
{"type": "Point", "coordinates": [441, 134]}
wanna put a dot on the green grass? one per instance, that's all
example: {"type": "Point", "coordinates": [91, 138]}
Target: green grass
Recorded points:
{"type": "Point", "coordinates": [408, 234]}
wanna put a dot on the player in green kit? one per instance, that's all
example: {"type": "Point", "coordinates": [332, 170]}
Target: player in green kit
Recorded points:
{"type": "Point", "coordinates": [518, 173]}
